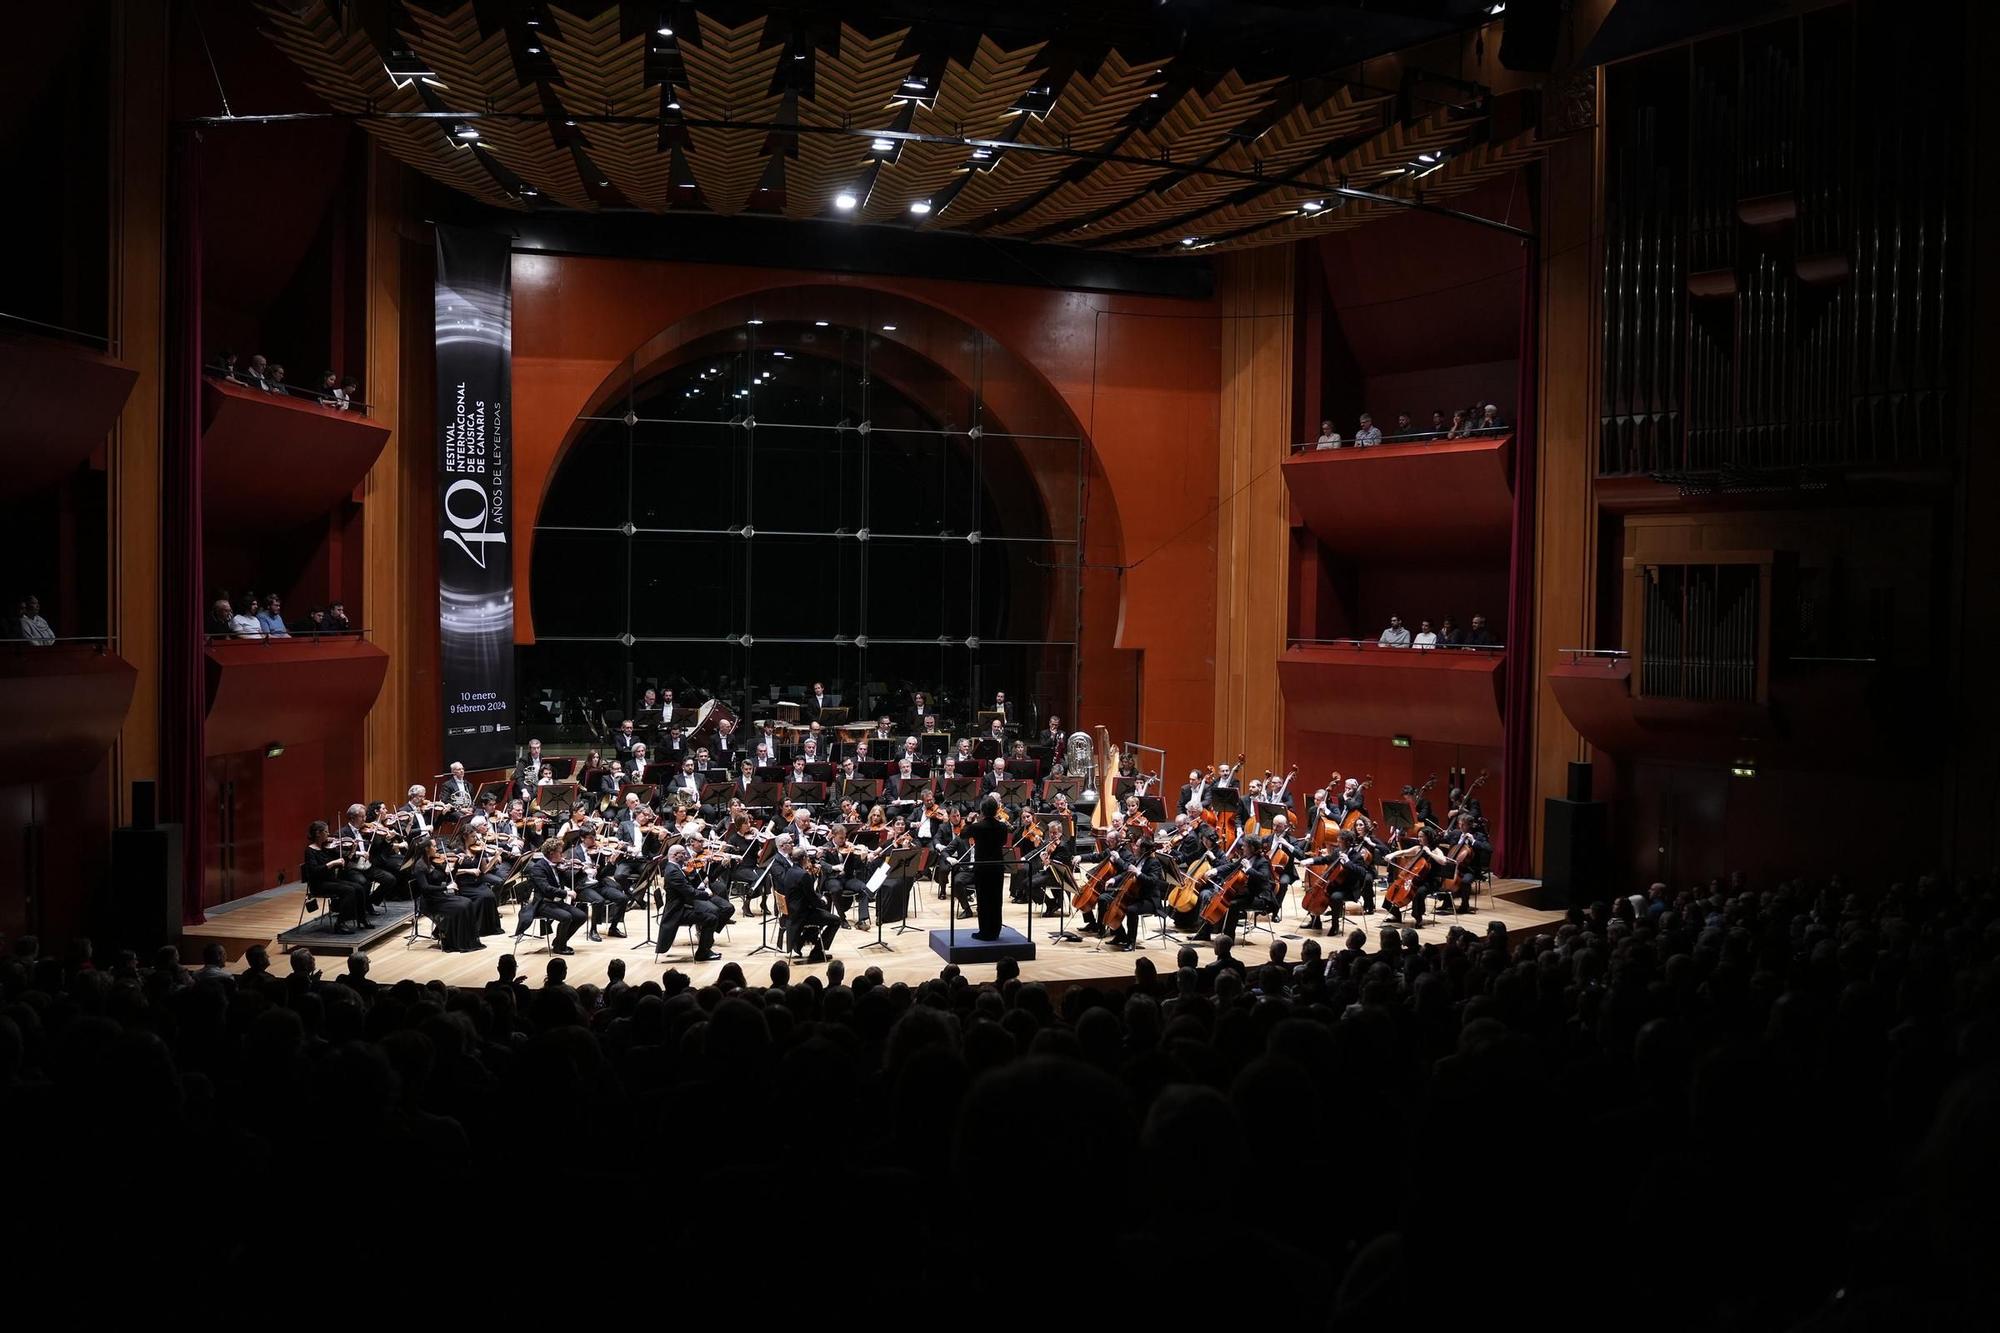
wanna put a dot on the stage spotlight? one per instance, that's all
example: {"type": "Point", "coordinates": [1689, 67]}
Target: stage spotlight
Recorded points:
{"type": "Point", "coordinates": [920, 206]}
{"type": "Point", "coordinates": [845, 202]}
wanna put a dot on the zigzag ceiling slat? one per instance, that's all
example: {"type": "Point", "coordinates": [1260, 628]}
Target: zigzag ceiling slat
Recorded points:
{"type": "Point", "coordinates": [853, 85]}
{"type": "Point", "coordinates": [1457, 176]}
{"type": "Point", "coordinates": [1296, 139]}
{"type": "Point", "coordinates": [972, 100]}
{"type": "Point", "coordinates": [479, 75]}
{"type": "Point", "coordinates": [603, 75]}
{"type": "Point", "coordinates": [729, 78]}
{"type": "Point", "coordinates": [1192, 129]}
{"type": "Point", "coordinates": [1394, 146]}
{"type": "Point", "coordinates": [1089, 112]}
{"type": "Point", "coordinates": [346, 70]}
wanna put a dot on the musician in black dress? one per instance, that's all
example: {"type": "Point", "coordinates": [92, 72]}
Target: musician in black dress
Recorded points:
{"type": "Point", "coordinates": [806, 908]}
{"type": "Point", "coordinates": [551, 899]}
{"type": "Point", "coordinates": [687, 900]}
{"type": "Point", "coordinates": [324, 867]}
{"type": "Point", "coordinates": [477, 875]}
{"type": "Point", "coordinates": [893, 896]}
{"type": "Point", "coordinates": [453, 916]}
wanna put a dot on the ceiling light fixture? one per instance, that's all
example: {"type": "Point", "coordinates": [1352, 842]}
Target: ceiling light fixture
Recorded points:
{"type": "Point", "coordinates": [534, 50]}
{"type": "Point", "coordinates": [819, 323]}
{"type": "Point", "coordinates": [845, 202]}
{"type": "Point", "coordinates": [920, 206]}
{"type": "Point", "coordinates": [464, 132]}
{"type": "Point", "coordinates": [664, 30]}
{"type": "Point", "coordinates": [888, 328]}
{"type": "Point", "coordinates": [1312, 205]}
{"type": "Point", "coordinates": [755, 321]}
{"type": "Point", "coordinates": [1190, 240]}
{"type": "Point", "coordinates": [882, 145]}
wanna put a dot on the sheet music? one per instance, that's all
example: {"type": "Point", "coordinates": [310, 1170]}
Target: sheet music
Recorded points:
{"type": "Point", "coordinates": [881, 874]}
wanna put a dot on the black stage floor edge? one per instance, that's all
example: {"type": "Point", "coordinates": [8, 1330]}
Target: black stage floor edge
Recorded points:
{"type": "Point", "coordinates": [319, 935]}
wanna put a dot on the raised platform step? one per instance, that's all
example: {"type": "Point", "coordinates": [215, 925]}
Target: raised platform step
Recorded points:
{"type": "Point", "coordinates": [960, 947]}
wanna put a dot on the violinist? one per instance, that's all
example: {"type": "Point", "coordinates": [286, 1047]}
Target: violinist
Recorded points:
{"type": "Point", "coordinates": [954, 853]}
{"type": "Point", "coordinates": [1043, 848]}
{"type": "Point", "coordinates": [807, 909]}
{"type": "Point", "coordinates": [708, 910]}
{"type": "Point", "coordinates": [379, 852]}
{"type": "Point", "coordinates": [844, 871]}
{"type": "Point", "coordinates": [454, 916]}
{"type": "Point", "coordinates": [324, 867]}
{"type": "Point", "coordinates": [477, 878]}
{"type": "Point", "coordinates": [551, 900]}
{"type": "Point", "coordinates": [893, 896]}
{"type": "Point", "coordinates": [595, 888]}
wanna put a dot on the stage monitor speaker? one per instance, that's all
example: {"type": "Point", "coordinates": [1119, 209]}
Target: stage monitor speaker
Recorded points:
{"type": "Point", "coordinates": [1573, 852]}
{"type": "Point", "coordinates": [143, 910]}
{"type": "Point", "coordinates": [1528, 41]}
{"type": "Point", "coordinates": [144, 803]}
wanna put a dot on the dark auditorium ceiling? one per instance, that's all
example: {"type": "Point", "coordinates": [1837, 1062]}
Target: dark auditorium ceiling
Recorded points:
{"type": "Point", "coordinates": [1144, 126]}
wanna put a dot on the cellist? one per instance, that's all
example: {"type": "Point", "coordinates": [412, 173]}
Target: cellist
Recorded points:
{"type": "Point", "coordinates": [1143, 894]}
{"type": "Point", "coordinates": [1425, 863]}
{"type": "Point", "coordinates": [1253, 895]}
{"type": "Point", "coordinates": [1354, 868]}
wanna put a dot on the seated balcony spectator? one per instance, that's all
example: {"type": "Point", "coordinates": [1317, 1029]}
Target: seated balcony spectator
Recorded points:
{"type": "Point", "coordinates": [228, 369]}
{"type": "Point", "coordinates": [336, 619]}
{"type": "Point", "coordinates": [348, 396]}
{"type": "Point", "coordinates": [1460, 426]}
{"type": "Point", "coordinates": [271, 615]}
{"type": "Point", "coordinates": [1426, 636]}
{"type": "Point", "coordinates": [1489, 420]}
{"type": "Point", "coordinates": [1440, 428]}
{"type": "Point", "coordinates": [254, 374]}
{"type": "Point", "coordinates": [1449, 634]}
{"type": "Point", "coordinates": [275, 381]}
{"type": "Point", "coordinates": [244, 624]}
{"type": "Point", "coordinates": [329, 389]}
{"type": "Point", "coordinates": [1404, 429]}
{"type": "Point", "coordinates": [1477, 635]}
{"type": "Point", "coordinates": [30, 626]}
{"type": "Point", "coordinates": [1396, 636]}
{"type": "Point", "coordinates": [1369, 433]}
{"type": "Point", "coordinates": [222, 619]}
{"type": "Point", "coordinates": [1329, 438]}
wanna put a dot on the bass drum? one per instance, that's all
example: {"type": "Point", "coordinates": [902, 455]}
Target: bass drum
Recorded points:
{"type": "Point", "coordinates": [705, 722]}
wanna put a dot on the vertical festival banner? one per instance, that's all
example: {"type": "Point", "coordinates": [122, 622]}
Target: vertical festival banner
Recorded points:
{"type": "Point", "coordinates": [475, 339]}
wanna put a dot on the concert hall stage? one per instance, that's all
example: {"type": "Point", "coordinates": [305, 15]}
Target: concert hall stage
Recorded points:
{"type": "Point", "coordinates": [907, 958]}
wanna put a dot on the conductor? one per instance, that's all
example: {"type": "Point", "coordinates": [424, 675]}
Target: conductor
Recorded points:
{"type": "Point", "coordinates": [989, 835]}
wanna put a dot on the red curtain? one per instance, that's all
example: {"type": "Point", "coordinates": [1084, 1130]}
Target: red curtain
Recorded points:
{"type": "Point", "coordinates": [183, 656]}
{"type": "Point", "coordinates": [1517, 756]}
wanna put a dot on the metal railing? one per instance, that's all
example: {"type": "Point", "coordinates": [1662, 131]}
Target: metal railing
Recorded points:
{"type": "Point", "coordinates": [1409, 437]}
{"type": "Point", "coordinates": [1607, 655]}
{"type": "Point", "coordinates": [1361, 644]}
{"type": "Point", "coordinates": [103, 642]}
{"type": "Point", "coordinates": [298, 391]}
{"type": "Point", "coordinates": [291, 635]}
{"type": "Point", "coordinates": [67, 334]}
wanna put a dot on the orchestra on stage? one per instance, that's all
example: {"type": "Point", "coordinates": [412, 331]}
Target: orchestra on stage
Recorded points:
{"type": "Point", "coordinates": [812, 824]}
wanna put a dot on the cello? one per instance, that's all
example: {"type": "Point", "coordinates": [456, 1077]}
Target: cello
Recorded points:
{"type": "Point", "coordinates": [1216, 911]}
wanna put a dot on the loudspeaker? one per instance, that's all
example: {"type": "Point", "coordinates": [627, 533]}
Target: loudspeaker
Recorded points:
{"type": "Point", "coordinates": [144, 803]}
{"type": "Point", "coordinates": [1579, 781]}
{"type": "Point", "coordinates": [1528, 41]}
{"type": "Point", "coordinates": [144, 909]}
{"type": "Point", "coordinates": [1573, 856]}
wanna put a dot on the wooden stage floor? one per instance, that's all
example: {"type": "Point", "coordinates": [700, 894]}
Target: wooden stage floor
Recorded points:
{"type": "Point", "coordinates": [908, 958]}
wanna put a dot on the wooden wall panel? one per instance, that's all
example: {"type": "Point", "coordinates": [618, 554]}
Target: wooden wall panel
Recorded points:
{"type": "Point", "coordinates": [1252, 533]}
{"type": "Point", "coordinates": [1565, 468]}
{"type": "Point", "coordinates": [137, 294]}
{"type": "Point", "coordinates": [385, 586]}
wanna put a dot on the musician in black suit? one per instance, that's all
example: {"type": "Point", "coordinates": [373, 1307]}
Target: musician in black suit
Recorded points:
{"type": "Point", "coordinates": [529, 771]}
{"type": "Point", "coordinates": [455, 791]}
{"type": "Point", "coordinates": [1466, 840]}
{"type": "Point", "coordinates": [989, 785]}
{"type": "Point", "coordinates": [596, 888]}
{"type": "Point", "coordinates": [844, 872]}
{"type": "Point", "coordinates": [903, 784]}
{"type": "Point", "coordinates": [690, 901]}
{"type": "Point", "coordinates": [378, 849]}
{"type": "Point", "coordinates": [685, 789]}
{"type": "Point", "coordinates": [920, 709]}
{"type": "Point", "coordinates": [807, 908]}
{"type": "Point", "coordinates": [623, 739]}
{"type": "Point", "coordinates": [817, 702]}
{"type": "Point", "coordinates": [611, 779]}
{"type": "Point", "coordinates": [324, 866]}
{"type": "Point", "coordinates": [1255, 895]}
{"type": "Point", "coordinates": [550, 898]}
{"type": "Point", "coordinates": [726, 748]}
{"type": "Point", "coordinates": [1050, 849]}
{"type": "Point", "coordinates": [1421, 810]}
{"type": "Point", "coordinates": [1148, 898]}
{"type": "Point", "coordinates": [1003, 708]}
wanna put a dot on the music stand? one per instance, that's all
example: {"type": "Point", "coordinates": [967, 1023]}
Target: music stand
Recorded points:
{"type": "Point", "coordinates": [501, 789]}
{"type": "Point", "coordinates": [765, 794]}
{"type": "Point", "coordinates": [931, 742]}
{"type": "Point", "coordinates": [1071, 788]}
{"type": "Point", "coordinates": [861, 789]}
{"type": "Point", "coordinates": [564, 793]}
{"type": "Point", "coordinates": [904, 863]}
{"type": "Point", "coordinates": [988, 716]}
{"type": "Point", "coordinates": [966, 768]}
{"type": "Point", "coordinates": [831, 717]}
{"type": "Point", "coordinates": [1398, 815]}
{"type": "Point", "coordinates": [716, 791]}
{"type": "Point", "coordinates": [807, 793]}
{"type": "Point", "coordinates": [1065, 888]}
{"type": "Point", "coordinates": [1153, 808]}
{"type": "Point", "coordinates": [958, 790]}
{"type": "Point", "coordinates": [649, 792]}
{"type": "Point", "coordinates": [772, 772]}
{"type": "Point", "coordinates": [1015, 791]}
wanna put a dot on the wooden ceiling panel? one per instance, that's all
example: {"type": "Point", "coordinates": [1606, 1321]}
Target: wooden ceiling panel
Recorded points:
{"type": "Point", "coordinates": [729, 78]}
{"type": "Point", "coordinates": [972, 102]}
{"type": "Point", "coordinates": [854, 85]}
{"type": "Point", "coordinates": [605, 75]}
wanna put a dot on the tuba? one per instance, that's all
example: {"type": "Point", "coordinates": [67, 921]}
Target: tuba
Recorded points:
{"type": "Point", "coordinates": [1079, 756]}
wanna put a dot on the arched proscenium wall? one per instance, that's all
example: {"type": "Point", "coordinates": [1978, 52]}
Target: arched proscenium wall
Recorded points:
{"type": "Point", "coordinates": [1136, 377]}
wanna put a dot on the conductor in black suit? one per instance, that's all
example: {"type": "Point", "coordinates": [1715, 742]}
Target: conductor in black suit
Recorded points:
{"type": "Point", "coordinates": [695, 903]}
{"type": "Point", "coordinates": [989, 836]}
